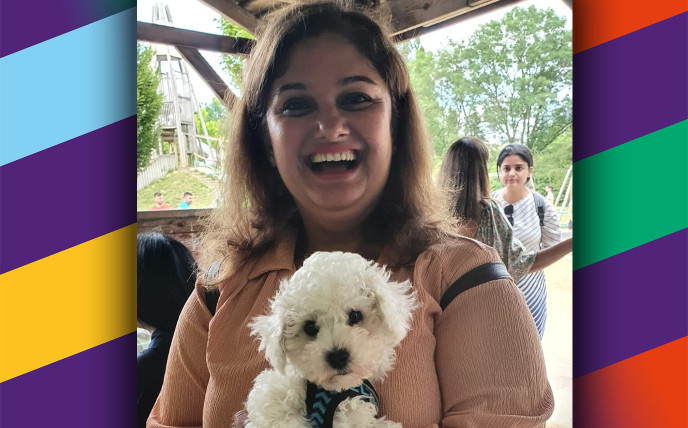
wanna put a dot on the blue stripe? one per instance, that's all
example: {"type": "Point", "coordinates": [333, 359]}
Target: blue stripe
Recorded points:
{"type": "Point", "coordinates": [67, 86]}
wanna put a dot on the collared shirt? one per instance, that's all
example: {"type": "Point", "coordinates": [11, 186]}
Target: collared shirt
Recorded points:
{"type": "Point", "coordinates": [477, 363]}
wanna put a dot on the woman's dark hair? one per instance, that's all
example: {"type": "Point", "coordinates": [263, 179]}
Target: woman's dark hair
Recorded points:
{"type": "Point", "coordinates": [464, 175]}
{"type": "Point", "coordinates": [258, 208]}
{"type": "Point", "coordinates": [520, 150]}
{"type": "Point", "coordinates": [165, 277]}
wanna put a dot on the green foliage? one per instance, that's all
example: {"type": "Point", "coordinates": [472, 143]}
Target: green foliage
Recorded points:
{"type": "Point", "coordinates": [551, 163]}
{"type": "Point", "coordinates": [233, 64]}
{"type": "Point", "coordinates": [422, 64]}
{"type": "Point", "coordinates": [511, 80]}
{"type": "Point", "coordinates": [148, 106]}
{"type": "Point", "coordinates": [173, 186]}
{"type": "Point", "coordinates": [214, 116]}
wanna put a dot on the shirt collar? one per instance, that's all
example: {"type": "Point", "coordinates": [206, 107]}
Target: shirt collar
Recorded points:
{"type": "Point", "coordinates": [278, 257]}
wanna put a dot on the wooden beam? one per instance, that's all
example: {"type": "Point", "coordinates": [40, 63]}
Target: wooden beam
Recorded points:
{"type": "Point", "coordinates": [469, 10]}
{"type": "Point", "coordinates": [410, 14]}
{"type": "Point", "coordinates": [234, 13]}
{"type": "Point", "coordinates": [165, 35]}
{"type": "Point", "coordinates": [194, 58]}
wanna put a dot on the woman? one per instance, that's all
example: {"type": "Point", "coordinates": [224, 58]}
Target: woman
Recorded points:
{"type": "Point", "coordinates": [166, 273]}
{"type": "Point", "coordinates": [515, 167]}
{"type": "Point", "coordinates": [328, 152]}
{"type": "Point", "coordinates": [464, 175]}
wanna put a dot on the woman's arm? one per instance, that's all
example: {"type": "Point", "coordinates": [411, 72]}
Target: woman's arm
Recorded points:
{"type": "Point", "coordinates": [180, 403]}
{"type": "Point", "coordinates": [551, 254]}
{"type": "Point", "coordinates": [490, 363]}
{"type": "Point", "coordinates": [496, 231]}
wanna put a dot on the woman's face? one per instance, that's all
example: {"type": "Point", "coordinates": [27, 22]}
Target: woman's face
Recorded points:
{"type": "Point", "coordinates": [514, 172]}
{"type": "Point", "coordinates": [329, 123]}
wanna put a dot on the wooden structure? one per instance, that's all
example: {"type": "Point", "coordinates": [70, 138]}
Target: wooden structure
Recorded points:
{"type": "Point", "coordinates": [410, 18]}
{"type": "Point", "coordinates": [176, 119]}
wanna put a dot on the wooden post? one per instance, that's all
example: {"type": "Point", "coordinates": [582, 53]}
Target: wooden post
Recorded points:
{"type": "Point", "coordinates": [181, 139]}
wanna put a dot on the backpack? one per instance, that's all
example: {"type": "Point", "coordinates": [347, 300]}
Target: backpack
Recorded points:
{"type": "Point", "coordinates": [539, 207]}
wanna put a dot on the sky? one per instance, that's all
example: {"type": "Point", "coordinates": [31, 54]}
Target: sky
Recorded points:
{"type": "Point", "coordinates": [194, 15]}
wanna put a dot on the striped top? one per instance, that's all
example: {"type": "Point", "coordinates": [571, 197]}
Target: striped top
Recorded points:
{"type": "Point", "coordinates": [527, 230]}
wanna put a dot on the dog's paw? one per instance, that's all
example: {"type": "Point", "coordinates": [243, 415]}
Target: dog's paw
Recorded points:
{"type": "Point", "coordinates": [358, 413]}
{"type": "Point", "coordinates": [277, 401]}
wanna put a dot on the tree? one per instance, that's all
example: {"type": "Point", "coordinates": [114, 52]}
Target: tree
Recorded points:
{"type": "Point", "coordinates": [214, 117]}
{"type": "Point", "coordinates": [422, 65]}
{"type": "Point", "coordinates": [511, 80]}
{"type": "Point", "coordinates": [233, 64]}
{"type": "Point", "coordinates": [148, 106]}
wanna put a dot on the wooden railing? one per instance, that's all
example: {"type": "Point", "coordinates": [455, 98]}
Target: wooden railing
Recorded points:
{"type": "Point", "coordinates": [183, 225]}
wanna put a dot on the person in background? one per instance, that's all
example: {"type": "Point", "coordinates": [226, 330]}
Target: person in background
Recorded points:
{"type": "Point", "coordinates": [464, 175]}
{"type": "Point", "coordinates": [329, 152]}
{"type": "Point", "coordinates": [549, 195]}
{"type": "Point", "coordinates": [515, 168]}
{"type": "Point", "coordinates": [159, 202]}
{"type": "Point", "coordinates": [186, 202]}
{"type": "Point", "coordinates": [166, 274]}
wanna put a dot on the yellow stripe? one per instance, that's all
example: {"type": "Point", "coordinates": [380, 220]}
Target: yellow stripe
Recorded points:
{"type": "Point", "coordinates": [67, 303]}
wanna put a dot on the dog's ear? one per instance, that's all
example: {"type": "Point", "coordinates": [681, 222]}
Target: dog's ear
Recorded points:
{"type": "Point", "coordinates": [270, 331]}
{"type": "Point", "coordinates": [395, 301]}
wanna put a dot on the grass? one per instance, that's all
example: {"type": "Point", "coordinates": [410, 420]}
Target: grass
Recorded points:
{"type": "Point", "coordinates": [173, 186]}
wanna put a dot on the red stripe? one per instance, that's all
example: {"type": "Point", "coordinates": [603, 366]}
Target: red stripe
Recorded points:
{"type": "Point", "coordinates": [599, 21]}
{"type": "Point", "coordinates": [648, 390]}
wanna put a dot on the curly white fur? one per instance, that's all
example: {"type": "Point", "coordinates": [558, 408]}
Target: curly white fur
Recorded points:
{"type": "Point", "coordinates": [323, 293]}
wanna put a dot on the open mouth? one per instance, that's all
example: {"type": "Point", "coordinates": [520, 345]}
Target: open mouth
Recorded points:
{"type": "Point", "coordinates": [334, 162]}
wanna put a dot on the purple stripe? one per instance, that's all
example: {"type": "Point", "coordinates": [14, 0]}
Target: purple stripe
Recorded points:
{"type": "Point", "coordinates": [630, 303]}
{"type": "Point", "coordinates": [630, 86]}
{"type": "Point", "coordinates": [39, 215]}
{"type": "Point", "coordinates": [95, 388]}
{"type": "Point", "coordinates": [24, 23]}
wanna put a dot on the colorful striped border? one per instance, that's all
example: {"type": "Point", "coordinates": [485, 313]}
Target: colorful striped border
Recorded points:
{"type": "Point", "coordinates": [67, 272]}
{"type": "Point", "coordinates": [630, 291]}
{"type": "Point", "coordinates": [68, 213]}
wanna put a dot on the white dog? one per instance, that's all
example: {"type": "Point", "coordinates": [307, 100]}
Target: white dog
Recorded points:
{"type": "Point", "coordinates": [334, 324]}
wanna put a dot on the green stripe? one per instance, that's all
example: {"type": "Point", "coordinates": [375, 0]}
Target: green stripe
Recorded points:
{"type": "Point", "coordinates": [631, 194]}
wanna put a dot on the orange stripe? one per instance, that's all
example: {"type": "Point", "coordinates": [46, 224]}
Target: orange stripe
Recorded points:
{"type": "Point", "coordinates": [648, 390]}
{"type": "Point", "coordinates": [599, 21]}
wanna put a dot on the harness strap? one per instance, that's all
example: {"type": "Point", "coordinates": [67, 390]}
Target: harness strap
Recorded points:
{"type": "Point", "coordinates": [476, 276]}
{"type": "Point", "coordinates": [321, 403]}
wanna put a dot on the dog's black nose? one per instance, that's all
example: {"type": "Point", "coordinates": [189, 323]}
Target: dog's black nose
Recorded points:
{"type": "Point", "coordinates": [338, 358]}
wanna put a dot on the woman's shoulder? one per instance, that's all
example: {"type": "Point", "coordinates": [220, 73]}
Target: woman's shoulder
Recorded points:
{"type": "Point", "coordinates": [449, 259]}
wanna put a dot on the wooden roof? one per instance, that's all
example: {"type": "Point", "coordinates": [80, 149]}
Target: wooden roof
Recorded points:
{"type": "Point", "coordinates": [410, 18]}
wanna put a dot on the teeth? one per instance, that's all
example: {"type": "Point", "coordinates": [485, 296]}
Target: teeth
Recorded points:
{"type": "Point", "coordinates": [333, 157]}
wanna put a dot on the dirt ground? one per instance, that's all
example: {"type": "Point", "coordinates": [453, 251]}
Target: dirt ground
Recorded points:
{"type": "Point", "coordinates": [557, 341]}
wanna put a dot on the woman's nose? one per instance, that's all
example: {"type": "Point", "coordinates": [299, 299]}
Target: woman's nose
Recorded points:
{"type": "Point", "coordinates": [331, 124]}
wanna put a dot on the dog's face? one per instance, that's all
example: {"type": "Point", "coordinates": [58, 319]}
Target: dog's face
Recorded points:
{"type": "Point", "coordinates": [336, 321]}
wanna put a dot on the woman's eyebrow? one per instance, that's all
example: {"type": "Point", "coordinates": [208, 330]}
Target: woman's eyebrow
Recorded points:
{"type": "Point", "coordinates": [351, 79]}
{"type": "Point", "coordinates": [290, 86]}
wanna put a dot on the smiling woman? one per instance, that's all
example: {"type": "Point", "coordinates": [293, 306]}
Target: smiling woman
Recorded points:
{"type": "Point", "coordinates": [329, 153]}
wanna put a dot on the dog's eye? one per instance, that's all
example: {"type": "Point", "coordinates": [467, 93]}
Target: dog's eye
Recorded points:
{"type": "Point", "coordinates": [355, 317]}
{"type": "Point", "coordinates": [310, 328]}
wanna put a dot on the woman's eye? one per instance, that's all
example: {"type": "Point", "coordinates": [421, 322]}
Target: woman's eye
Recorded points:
{"type": "Point", "coordinates": [310, 328]}
{"type": "Point", "coordinates": [295, 107]}
{"type": "Point", "coordinates": [355, 317]}
{"type": "Point", "coordinates": [355, 101]}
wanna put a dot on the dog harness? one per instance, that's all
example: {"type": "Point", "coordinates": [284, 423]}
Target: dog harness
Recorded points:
{"type": "Point", "coordinates": [321, 403]}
